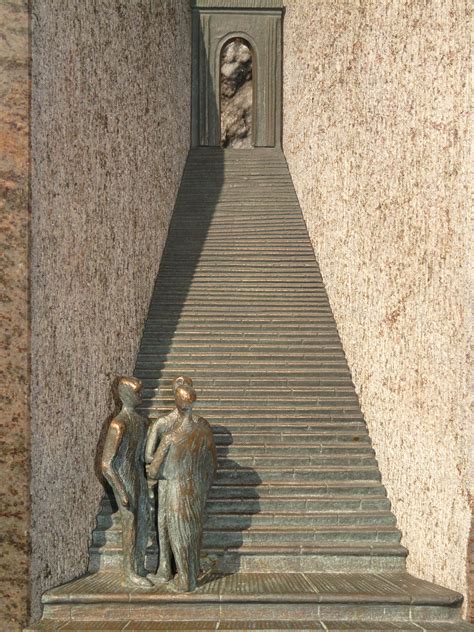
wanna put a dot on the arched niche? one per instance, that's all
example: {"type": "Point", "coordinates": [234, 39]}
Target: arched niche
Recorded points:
{"type": "Point", "coordinates": [215, 22]}
{"type": "Point", "coordinates": [237, 112]}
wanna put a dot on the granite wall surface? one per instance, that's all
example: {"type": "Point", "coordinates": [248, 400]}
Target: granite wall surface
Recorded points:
{"type": "Point", "coordinates": [110, 133]}
{"type": "Point", "coordinates": [14, 369]}
{"type": "Point", "coordinates": [376, 106]}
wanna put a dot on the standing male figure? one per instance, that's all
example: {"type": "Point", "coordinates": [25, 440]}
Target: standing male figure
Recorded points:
{"type": "Point", "coordinates": [123, 467]}
{"type": "Point", "coordinates": [185, 464]}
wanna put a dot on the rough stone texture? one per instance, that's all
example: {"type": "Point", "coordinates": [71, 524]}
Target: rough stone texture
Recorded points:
{"type": "Point", "coordinates": [14, 220]}
{"type": "Point", "coordinates": [470, 579]}
{"type": "Point", "coordinates": [236, 95]}
{"type": "Point", "coordinates": [376, 104]}
{"type": "Point", "coordinates": [110, 133]}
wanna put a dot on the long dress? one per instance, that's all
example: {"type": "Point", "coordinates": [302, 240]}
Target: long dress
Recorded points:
{"type": "Point", "coordinates": [188, 467]}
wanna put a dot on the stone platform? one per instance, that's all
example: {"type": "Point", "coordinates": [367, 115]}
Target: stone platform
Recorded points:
{"type": "Point", "coordinates": [253, 601]}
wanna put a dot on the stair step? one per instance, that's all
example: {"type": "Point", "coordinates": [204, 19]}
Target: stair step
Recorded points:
{"type": "Point", "coordinates": [212, 313]}
{"type": "Point", "coordinates": [285, 308]}
{"type": "Point", "coordinates": [224, 424]}
{"type": "Point", "coordinates": [313, 505]}
{"type": "Point", "coordinates": [292, 457]}
{"type": "Point", "coordinates": [221, 329]}
{"type": "Point", "coordinates": [296, 474]}
{"type": "Point", "coordinates": [283, 212]}
{"type": "Point", "coordinates": [193, 241]}
{"type": "Point", "coordinates": [307, 412]}
{"type": "Point", "coordinates": [317, 383]}
{"type": "Point", "coordinates": [276, 324]}
{"type": "Point", "coordinates": [279, 389]}
{"type": "Point", "coordinates": [293, 558]}
{"type": "Point", "coordinates": [254, 374]}
{"type": "Point", "coordinates": [274, 536]}
{"type": "Point", "coordinates": [328, 335]}
{"type": "Point", "coordinates": [220, 490]}
{"type": "Point", "coordinates": [341, 505]}
{"type": "Point", "coordinates": [219, 301]}
{"type": "Point", "coordinates": [275, 294]}
{"type": "Point", "coordinates": [240, 520]}
{"type": "Point", "coordinates": [253, 355]}
{"type": "Point", "coordinates": [155, 345]}
{"type": "Point", "coordinates": [268, 280]}
{"type": "Point", "coordinates": [297, 461]}
{"type": "Point", "coordinates": [315, 410]}
{"type": "Point", "coordinates": [271, 438]}
{"type": "Point", "coordinates": [264, 363]}
{"type": "Point", "coordinates": [319, 418]}
{"type": "Point", "coordinates": [292, 416]}
{"type": "Point", "coordinates": [273, 290]}
{"type": "Point", "coordinates": [247, 543]}
{"type": "Point", "coordinates": [282, 427]}
{"type": "Point", "coordinates": [228, 431]}
{"type": "Point", "coordinates": [278, 267]}
{"type": "Point", "coordinates": [236, 324]}
{"type": "Point", "coordinates": [293, 536]}
{"type": "Point", "coordinates": [236, 257]}
{"type": "Point", "coordinates": [319, 408]}
{"type": "Point", "coordinates": [327, 450]}
{"type": "Point", "coordinates": [253, 392]}
{"type": "Point", "coordinates": [220, 326]}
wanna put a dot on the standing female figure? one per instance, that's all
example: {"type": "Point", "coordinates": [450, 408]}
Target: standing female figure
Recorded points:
{"type": "Point", "coordinates": [185, 465]}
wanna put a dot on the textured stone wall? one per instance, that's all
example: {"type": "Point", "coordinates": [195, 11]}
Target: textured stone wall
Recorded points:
{"type": "Point", "coordinates": [14, 220]}
{"type": "Point", "coordinates": [110, 133]}
{"type": "Point", "coordinates": [376, 105]}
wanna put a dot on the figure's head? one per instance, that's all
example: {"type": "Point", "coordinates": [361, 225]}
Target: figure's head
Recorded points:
{"type": "Point", "coordinates": [180, 381]}
{"type": "Point", "coordinates": [130, 391]}
{"type": "Point", "coordinates": [185, 396]}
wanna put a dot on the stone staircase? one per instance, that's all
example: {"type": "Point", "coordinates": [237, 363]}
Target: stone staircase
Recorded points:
{"type": "Point", "coordinates": [299, 533]}
{"type": "Point", "coordinates": [298, 485]}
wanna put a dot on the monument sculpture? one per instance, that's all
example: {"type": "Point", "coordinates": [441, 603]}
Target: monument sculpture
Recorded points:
{"type": "Point", "coordinates": [183, 465]}
{"type": "Point", "coordinates": [179, 454]}
{"type": "Point", "coordinates": [122, 466]}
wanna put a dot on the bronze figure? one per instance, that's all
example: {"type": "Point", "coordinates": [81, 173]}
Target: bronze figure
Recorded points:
{"type": "Point", "coordinates": [185, 464]}
{"type": "Point", "coordinates": [155, 431]}
{"type": "Point", "coordinates": [123, 467]}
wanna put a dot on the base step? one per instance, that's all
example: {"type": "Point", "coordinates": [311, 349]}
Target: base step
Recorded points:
{"type": "Point", "coordinates": [309, 598]}
{"type": "Point", "coordinates": [268, 626]}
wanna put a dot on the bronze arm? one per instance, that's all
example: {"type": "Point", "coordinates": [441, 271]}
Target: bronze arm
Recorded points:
{"type": "Point", "coordinates": [156, 429]}
{"type": "Point", "coordinates": [153, 468]}
{"type": "Point", "coordinates": [112, 444]}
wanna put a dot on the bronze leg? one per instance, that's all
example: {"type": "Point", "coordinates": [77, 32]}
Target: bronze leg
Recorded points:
{"type": "Point", "coordinates": [129, 548]}
{"type": "Point", "coordinates": [142, 536]}
{"type": "Point", "coordinates": [164, 572]}
{"type": "Point", "coordinates": [193, 568]}
{"type": "Point", "coordinates": [182, 555]}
